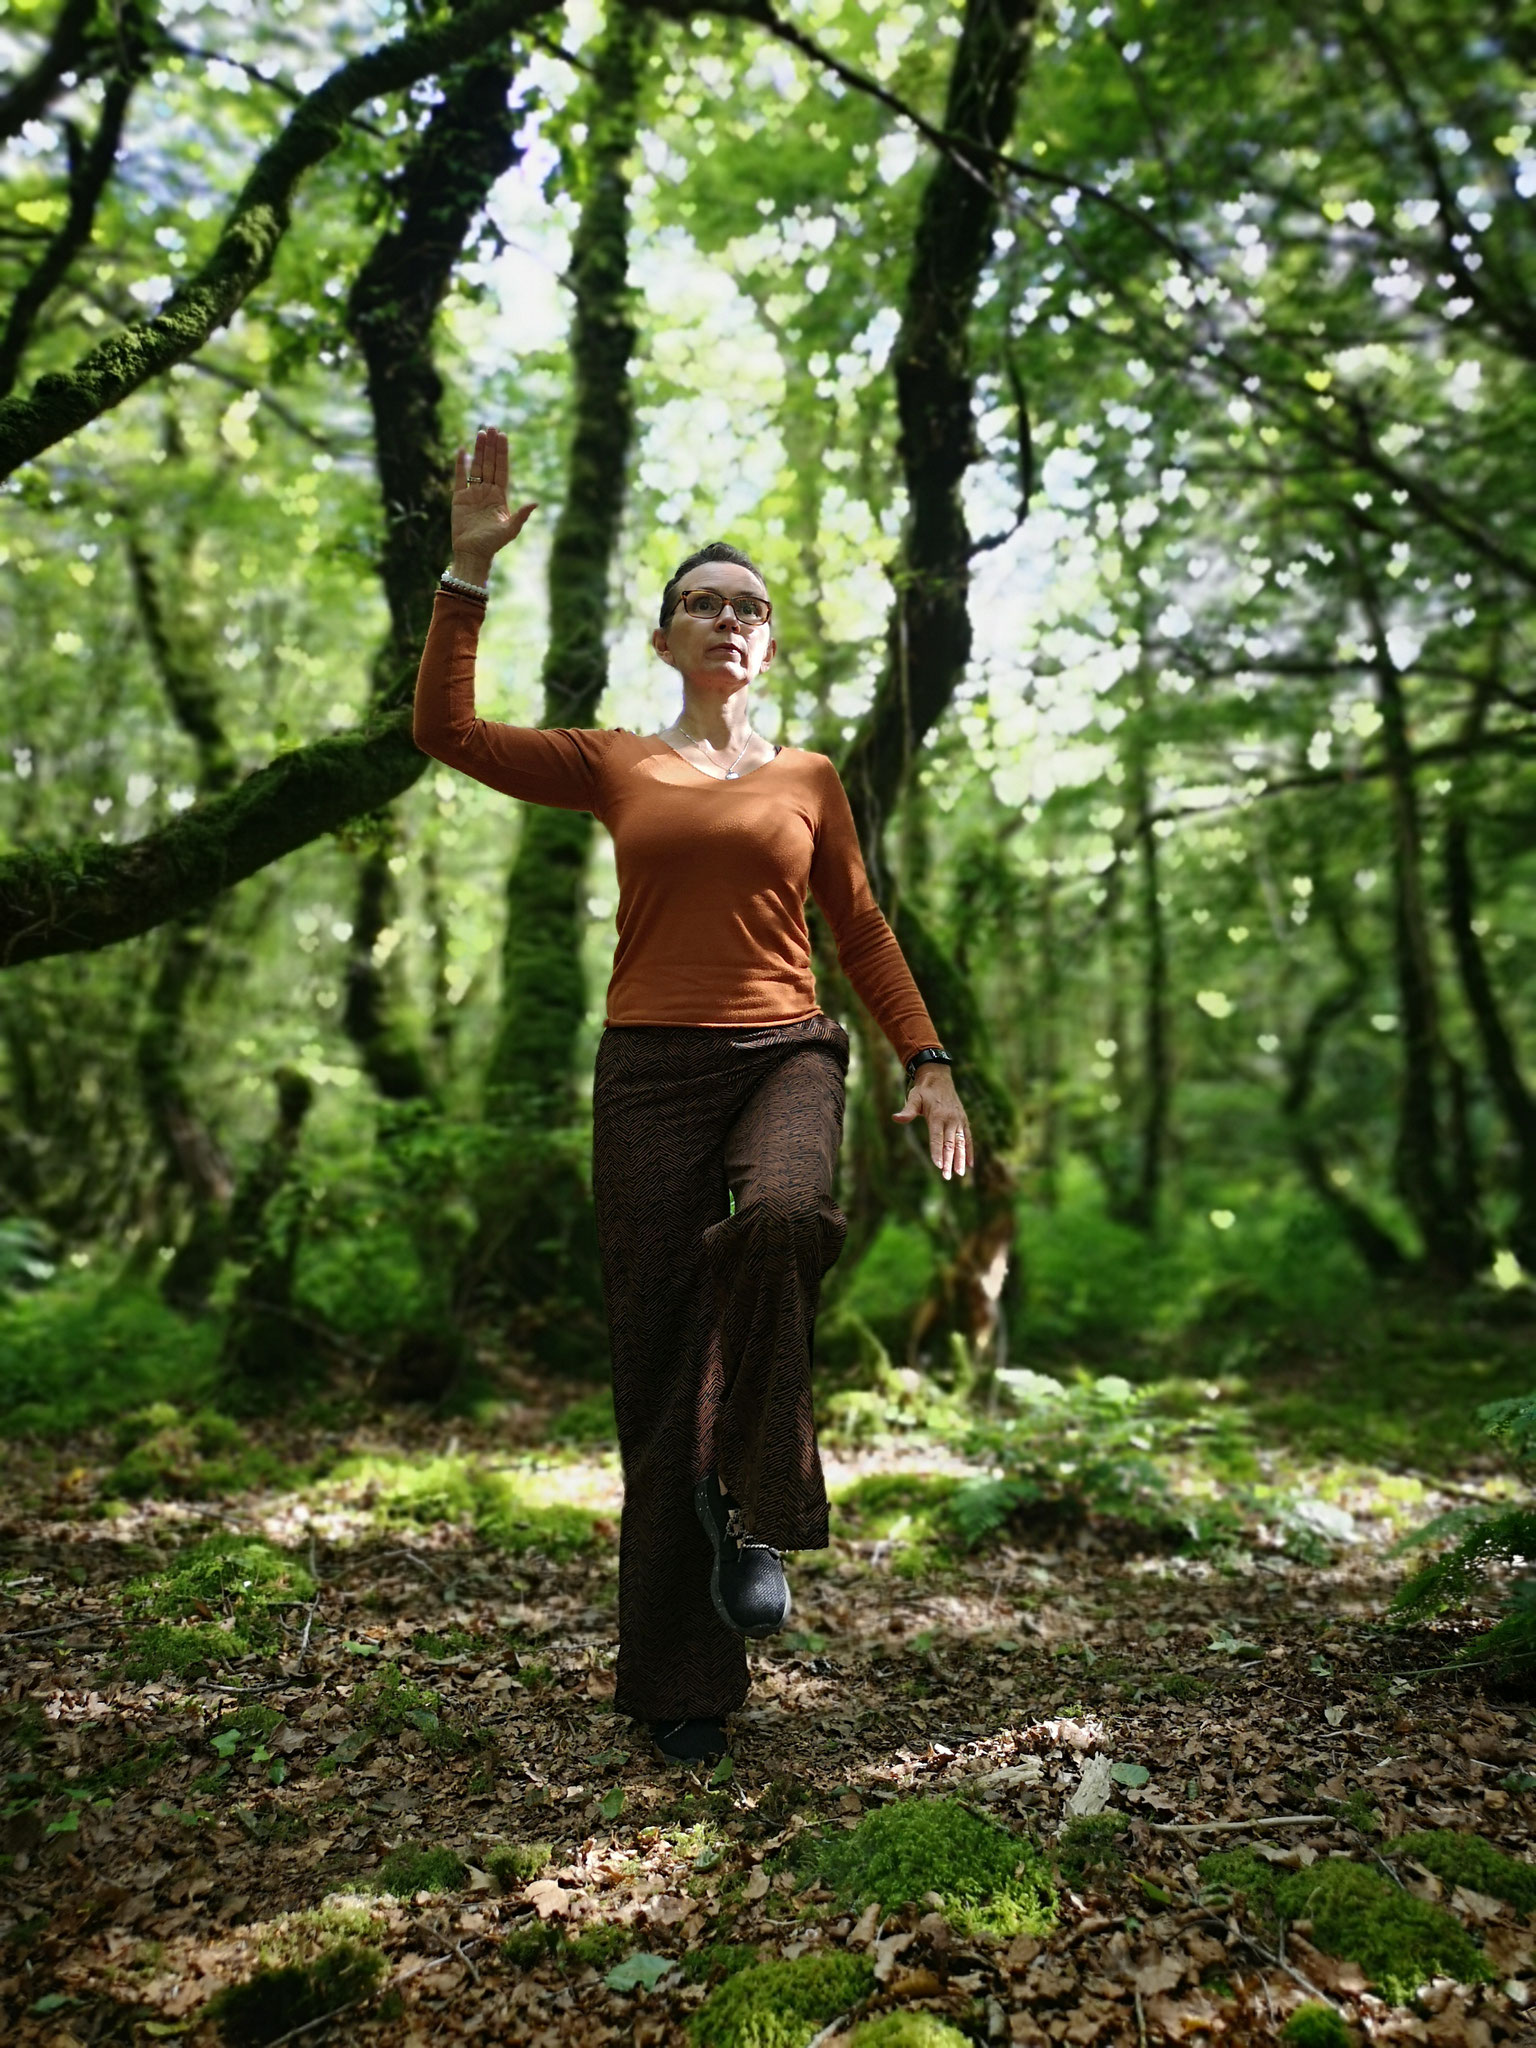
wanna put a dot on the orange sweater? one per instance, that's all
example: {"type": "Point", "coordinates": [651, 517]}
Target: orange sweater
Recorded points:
{"type": "Point", "coordinates": [712, 874]}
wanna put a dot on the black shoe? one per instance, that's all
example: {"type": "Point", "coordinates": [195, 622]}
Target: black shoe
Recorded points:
{"type": "Point", "coordinates": [747, 1582]}
{"type": "Point", "coordinates": [689, 1742]}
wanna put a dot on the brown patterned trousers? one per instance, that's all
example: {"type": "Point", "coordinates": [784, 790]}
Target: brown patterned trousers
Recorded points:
{"type": "Point", "coordinates": [714, 1160]}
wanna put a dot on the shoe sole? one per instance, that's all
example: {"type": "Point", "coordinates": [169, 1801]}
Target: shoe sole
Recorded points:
{"type": "Point", "coordinates": [753, 1635]}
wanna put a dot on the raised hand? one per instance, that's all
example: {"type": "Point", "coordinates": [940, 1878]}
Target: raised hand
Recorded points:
{"type": "Point", "coordinates": [482, 520]}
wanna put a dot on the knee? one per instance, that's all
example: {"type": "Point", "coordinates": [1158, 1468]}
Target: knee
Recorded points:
{"type": "Point", "coordinates": [792, 1225]}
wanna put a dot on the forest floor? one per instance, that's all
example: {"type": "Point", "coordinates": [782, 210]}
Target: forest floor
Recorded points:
{"type": "Point", "coordinates": [399, 1659]}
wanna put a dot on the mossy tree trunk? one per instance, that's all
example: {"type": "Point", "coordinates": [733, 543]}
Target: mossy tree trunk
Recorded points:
{"type": "Point", "coordinates": [928, 642]}
{"type": "Point", "coordinates": [392, 314]}
{"type": "Point", "coordinates": [536, 1245]}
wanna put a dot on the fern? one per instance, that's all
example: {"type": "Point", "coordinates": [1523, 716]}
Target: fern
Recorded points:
{"type": "Point", "coordinates": [1515, 1421]}
{"type": "Point", "coordinates": [1507, 1538]}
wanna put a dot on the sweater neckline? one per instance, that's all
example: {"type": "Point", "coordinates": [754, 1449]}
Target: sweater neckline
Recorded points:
{"type": "Point", "coordinates": [717, 778]}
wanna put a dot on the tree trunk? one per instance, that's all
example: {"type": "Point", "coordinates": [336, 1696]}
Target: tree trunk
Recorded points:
{"type": "Point", "coordinates": [1157, 1068]}
{"type": "Point", "coordinates": [536, 1245]}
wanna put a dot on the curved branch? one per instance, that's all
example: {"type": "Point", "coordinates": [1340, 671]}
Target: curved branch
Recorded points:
{"type": "Point", "coordinates": [74, 899]}
{"type": "Point", "coordinates": [66, 46]}
{"type": "Point", "coordinates": [61, 403]}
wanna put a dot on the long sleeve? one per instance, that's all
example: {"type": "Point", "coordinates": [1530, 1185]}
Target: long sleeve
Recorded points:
{"type": "Point", "coordinates": [540, 765]}
{"type": "Point", "coordinates": [866, 945]}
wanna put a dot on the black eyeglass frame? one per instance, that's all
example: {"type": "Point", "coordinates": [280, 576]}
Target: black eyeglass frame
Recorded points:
{"type": "Point", "coordinates": [701, 591]}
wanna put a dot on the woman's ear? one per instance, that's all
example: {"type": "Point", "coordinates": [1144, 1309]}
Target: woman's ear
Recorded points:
{"type": "Point", "coordinates": [659, 642]}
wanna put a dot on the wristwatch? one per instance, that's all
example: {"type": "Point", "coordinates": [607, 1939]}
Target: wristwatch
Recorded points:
{"type": "Point", "coordinates": [930, 1053]}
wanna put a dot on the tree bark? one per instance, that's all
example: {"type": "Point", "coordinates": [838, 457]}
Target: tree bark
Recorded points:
{"type": "Point", "coordinates": [392, 314]}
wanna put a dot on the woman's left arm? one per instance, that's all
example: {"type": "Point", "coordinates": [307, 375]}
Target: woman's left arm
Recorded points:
{"type": "Point", "coordinates": [873, 961]}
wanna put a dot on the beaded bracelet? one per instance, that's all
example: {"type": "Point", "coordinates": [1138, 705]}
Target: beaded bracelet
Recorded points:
{"type": "Point", "coordinates": [460, 587]}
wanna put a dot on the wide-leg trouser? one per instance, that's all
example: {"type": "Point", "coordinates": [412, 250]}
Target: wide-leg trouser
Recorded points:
{"type": "Point", "coordinates": [710, 1317]}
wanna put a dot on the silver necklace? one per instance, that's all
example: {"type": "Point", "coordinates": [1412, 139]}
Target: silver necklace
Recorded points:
{"type": "Point", "coordinates": [730, 773]}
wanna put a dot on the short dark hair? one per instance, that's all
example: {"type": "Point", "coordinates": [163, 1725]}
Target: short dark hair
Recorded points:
{"type": "Point", "coordinates": [717, 551]}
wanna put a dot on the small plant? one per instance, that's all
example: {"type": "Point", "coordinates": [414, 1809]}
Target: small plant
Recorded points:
{"type": "Point", "coordinates": [514, 1863]}
{"type": "Point", "coordinates": [991, 1881]}
{"type": "Point", "coordinates": [404, 1872]}
{"type": "Point", "coordinates": [526, 1947]}
{"type": "Point", "coordinates": [242, 1580]}
{"type": "Point", "coordinates": [600, 1946]}
{"type": "Point", "coordinates": [275, 2003]}
{"type": "Point", "coordinates": [1090, 1846]}
{"type": "Point", "coordinates": [392, 1703]}
{"type": "Point", "coordinates": [781, 2005]}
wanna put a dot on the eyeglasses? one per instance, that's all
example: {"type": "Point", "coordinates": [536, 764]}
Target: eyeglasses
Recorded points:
{"type": "Point", "coordinates": [709, 604]}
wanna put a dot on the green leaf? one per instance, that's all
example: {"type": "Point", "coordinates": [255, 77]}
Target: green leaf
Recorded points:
{"type": "Point", "coordinates": [639, 1972]}
{"type": "Point", "coordinates": [278, 1772]}
{"type": "Point", "coordinates": [723, 1772]}
{"type": "Point", "coordinates": [51, 2001]}
{"type": "Point", "coordinates": [227, 1743]}
{"type": "Point", "coordinates": [1129, 1774]}
{"type": "Point", "coordinates": [708, 1858]}
{"type": "Point", "coordinates": [612, 1803]}
{"type": "Point", "coordinates": [362, 1649]}
{"type": "Point", "coordinates": [66, 1824]}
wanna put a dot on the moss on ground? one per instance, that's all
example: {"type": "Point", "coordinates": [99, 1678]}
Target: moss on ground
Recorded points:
{"type": "Point", "coordinates": [908, 1510]}
{"type": "Point", "coordinates": [180, 1650]}
{"type": "Point", "coordinates": [391, 1703]}
{"type": "Point", "coordinates": [1090, 1846]}
{"type": "Point", "coordinates": [601, 1946]}
{"type": "Point", "coordinates": [274, 2003]}
{"type": "Point", "coordinates": [220, 1600]}
{"type": "Point", "coordinates": [513, 1863]}
{"type": "Point", "coordinates": [501, 1508]}
{"type": "Point", "coordinates": [304, 1937]}
{"type": "Point", "coordinates": [404, 1872]}
{"type": "Point", "coordinates": [1314, 2025]}
{"type": "Point", "coordinates": [1470, 1861]}
{"type": "Point", "coordinates": [907, 2030]}
{"type": "Point", "coordinates": [526, 1947]}
{"type": "Point", "coordinates": [1398, 1940]}
{"type": "Point", "coordinates": [724, 1958]}
{"type": "Point", "coordinates": [991, 1881]}
{"type": "Point", "coordinates": [165, 1455]}
{"type": "Point", "coordinates": [781, 2005]}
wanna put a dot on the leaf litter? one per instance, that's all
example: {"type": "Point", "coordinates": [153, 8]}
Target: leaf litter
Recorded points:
{"type": "Point", "coordinates": [408, 1785]}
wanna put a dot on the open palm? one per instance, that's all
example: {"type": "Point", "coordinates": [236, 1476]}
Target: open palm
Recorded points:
{"type": "Point", "coordinates": [482, 520]}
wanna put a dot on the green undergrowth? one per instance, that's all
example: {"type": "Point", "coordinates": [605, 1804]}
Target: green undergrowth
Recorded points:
{"type": "Point", "coordinates": [503, 1509]}
{"type": "Point", "coordinates": [166, 1455]}
{"type": "Point", "coordinates": [391, 1703]}
{"type": "Point", "coordinates": [991, 1881]}
{"type": "Point", "coordinates": [514, 1863]}
{"type": "Point", "coordinates": [275, 2003]}
{"type": "Point", "coordinates": [597, 1947]}
{"type": "Point", "coordinates": [781, 2005]}
{"type": "Point", "coordinates": [1090, 1847]}
{"type": "Point", "coordinates": [1469, 1860]}
{"type": "Point", "coordinates": [906, 1510]}
{"type": "Point", "coordinates": [1355, 1914]}
{"type": "Point", "coordinates": [221, 1599]}
{"type": "Point", "coordinates": [82, 1350]}
{"type": "Point", "coordinates": [406, 1871]}
{"type": "Point", "coordinates": [589, 1420]}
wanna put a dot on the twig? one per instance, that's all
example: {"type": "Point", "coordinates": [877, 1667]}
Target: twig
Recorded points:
{"type": "Point", "coordinates": [474, 1974]}
{"type": "Point", "coordinates": [1099, 1923]}
{"type": "Point", "coordinates": [1268, 1820]}
{"type": "Point", "coordinates": [829, 2030]}
{"type": "Point", "coordinates": [55, 1628]}
{"type": "Point", "coordinates": [1268, 1955]}
{"type": "Point", "coordinates": [309, 1619]}
{"type": "Point", "coordinates": [1141, 2018]}
{"type": "Point", "coordinates": [411, 1557]}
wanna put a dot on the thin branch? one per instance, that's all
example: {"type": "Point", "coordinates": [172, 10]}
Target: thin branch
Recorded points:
{"type": "Point", "coordinates": [66, 47]}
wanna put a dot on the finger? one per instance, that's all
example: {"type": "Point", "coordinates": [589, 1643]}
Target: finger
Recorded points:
{"type": "Point", "coordinates": [501, 461]}
{"type": "Point", "coordinates": [520, 518]}
{"type": "Point", "coordinates": [477, 467]}
{"type": "Point", "coordinates": [460, 469]}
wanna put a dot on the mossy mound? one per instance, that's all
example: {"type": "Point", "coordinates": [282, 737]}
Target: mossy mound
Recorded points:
{"type": "Point", "coordinates": [504, 1509]}
{"type": "Point", "coordinates": [1469, 1860]}
{"type": "Point", "coordinates": [1316, 2026]}
{"type": "Point", "coordinates": [907, 2030]}
{"type": "Point", "coordinates": [991, 1881]}
{"type": "Point", "coordinates": [404, 1872]}
{"type": "Point", "coordinates": [1398, 1940]}
{"type": "Point", "coordinates": [1090, 1846]}
{"type": "Point", "coordinates": [526, 1947]}
{"type": "Point", "coordinates": [274, 2003]}
{"type": "Point", "coordinates": [513, 1863]}
{"type": "Point", "coordinates": [240, 1580]}
{"type": "Point", "coordinates": [600, 1946]}
{"type": "Point", "coordinates": [781, 2005]}
{"type": "Point", "coordinates": [165, 1455]}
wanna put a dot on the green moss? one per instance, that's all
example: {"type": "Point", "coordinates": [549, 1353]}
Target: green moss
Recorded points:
{"type": "Point", "coordinates": [275, 2002]}
{"type": "Point", "coordinates": [1181, 1685]}
{"type": "Point", "coordinates": [168, 1456]}
{"type": "Point", "coordinates": [502, 1508]}
{"type": "Point", "coordinates": [723, 1958]}
{"type": "Point", "coordinates": [82, 1350]}
{"type": "Point", "coordinates": [907, 2030]}
{"type": "Point", "coordinates": [513, 1863]}
{"type": "Point", "coordinates": [1469, 1860]}
{"type": "Point", "coordinates": [991, 1881]}
{"type": "Point", "coordinates": [1239, 1874]}
{"type": "Point", "coordinates": [1090, 1846]}
{"type": "Point", "coordinates": [908, 1510]}
{"type": "Point", "coordinates": [1398, 1940]}
{"type": "Point", "coordinates": [305, 1936]}
{"type": "Point", "coordinates": [180, 1651]}
{"type": "Point", "coordinates": [1316, 2026]}
{"type": "Point", "coordinates": [600, 1946]}
{"type": "Point", "coordinates": [781, 2005]}
{"type": "Point", "coordinates": [241, 1578]}
{"type": "Point", "coordinates": [405, 1872]}
{"type": "Point", "coordinates": [589, 1421]}
{"type": "Point", "coordinates": [526, 1947]}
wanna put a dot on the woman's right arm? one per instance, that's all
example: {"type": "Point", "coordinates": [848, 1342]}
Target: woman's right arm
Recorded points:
{"type": "Point", "coordinates": [539, 765]}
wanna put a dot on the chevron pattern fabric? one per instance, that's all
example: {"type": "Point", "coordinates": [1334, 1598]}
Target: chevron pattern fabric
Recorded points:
{"type": "Point", "coordinates": [710, 1316]}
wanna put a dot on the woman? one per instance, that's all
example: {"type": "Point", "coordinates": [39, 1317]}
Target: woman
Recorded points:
{"type": "Point", "coordinates": [717, 1102]}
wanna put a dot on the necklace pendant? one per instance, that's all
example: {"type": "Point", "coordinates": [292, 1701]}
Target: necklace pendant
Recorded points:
{"type": "Point", "coordinates": [732, 775]}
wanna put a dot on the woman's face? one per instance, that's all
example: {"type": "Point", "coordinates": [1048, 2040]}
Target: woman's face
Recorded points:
{"type": "Point", "coordinates": [722, 651]}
